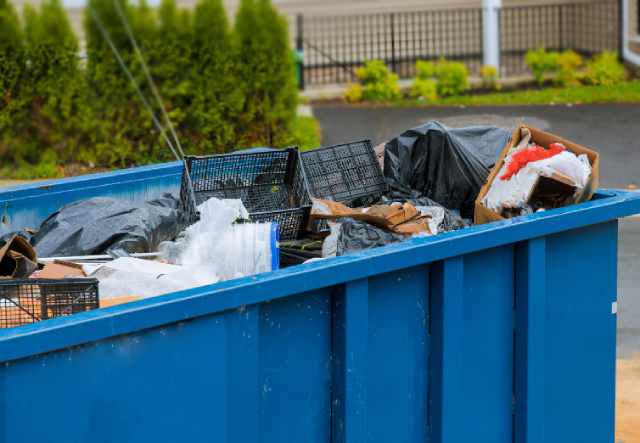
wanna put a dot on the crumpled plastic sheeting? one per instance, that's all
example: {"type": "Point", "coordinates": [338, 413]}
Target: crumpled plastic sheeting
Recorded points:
{"type": "Point", "coordinates": [446, 165]}
{"type": "Point", "coordinates": [128, 277]}
{"type": "Point", "coordinates": [514, 191]}
{"type": "Point", "coordinates": [103, 225]}
{"type": "Point", "coordinates": [356, 236]}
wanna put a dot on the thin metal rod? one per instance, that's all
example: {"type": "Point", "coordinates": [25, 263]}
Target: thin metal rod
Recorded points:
{"type": "Point", "coordinates": [127, 28]}
{"type": "Point", "coordinates": [105, 34]}
{"type": "Point", "coordinates": [96, 257]}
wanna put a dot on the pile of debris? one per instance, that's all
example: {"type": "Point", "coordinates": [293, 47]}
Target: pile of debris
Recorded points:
{"type": "Point", "coordinates": [253, 212]}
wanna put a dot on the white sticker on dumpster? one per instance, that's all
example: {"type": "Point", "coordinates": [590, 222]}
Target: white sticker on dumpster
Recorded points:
{"type": "Point", "coordinates": [614, 307]}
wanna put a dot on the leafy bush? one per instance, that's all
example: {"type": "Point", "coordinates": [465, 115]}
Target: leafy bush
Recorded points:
{"type": "Point", "coordinates": [425, 88]}
{"type": "Point", "coordinates": [425, 70]}
{"type": "Point", "coordinates": [378, 83]}
{"type": "Point", "coordinates": [217, 95]}
{"type": "Point", "coordinates": [267, 70]}
{"type": "Point", "coordinates": [604, 69]}
{"type": "Point", "coordinates": [567, 64]}
{"type": "Point", "coordinates": [453, 78]}
{"type": "Point", "coordinates": [354, 93]}
{"type": "Point", "coordinates": [541, 63]}
{"type": "Point", "coordinates": [490, 77]}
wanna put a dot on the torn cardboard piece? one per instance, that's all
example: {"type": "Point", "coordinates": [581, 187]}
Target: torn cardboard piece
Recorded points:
{"type": "Point", "coordinates": [17, 259]}
{"type": "Point", "coordinates": [405, 219]}
{"type": "Point", "coordinates": [57, 271]}
{"type": "Point", "coordinates": [555, 181]}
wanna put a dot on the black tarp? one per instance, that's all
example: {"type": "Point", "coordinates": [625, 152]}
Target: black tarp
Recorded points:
{"type": "Point", "coordinates": [448, 166]}
{"type": "Point", "coordinates": [102, 225]}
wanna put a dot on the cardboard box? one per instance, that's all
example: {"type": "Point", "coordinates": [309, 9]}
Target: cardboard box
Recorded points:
{"type": "Point", "coordinates": [13, 253]}
{"type": "Point", "coordinates": [485, 215]}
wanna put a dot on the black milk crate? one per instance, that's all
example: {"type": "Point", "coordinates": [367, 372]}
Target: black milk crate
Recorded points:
{"type": "Point", "coordinates": [271, 185]}
{"type": "Point", "coordinates": [30, 300]}
{"type": "Point", "coordinates": [348, 173]}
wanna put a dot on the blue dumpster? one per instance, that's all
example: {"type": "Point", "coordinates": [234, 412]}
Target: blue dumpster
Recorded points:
{"type": "Point", "coordinates": [504, 332]}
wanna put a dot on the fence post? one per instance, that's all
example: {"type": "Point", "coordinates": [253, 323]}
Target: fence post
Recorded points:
{"type": "Point", "coordinates": [491, 33]}
{"type": "Point", "coordinates": [393, 44]}
{"type": "Point", "coordinates": [622, 14]}
{"type": "Point", "coordinates": [300, 48]}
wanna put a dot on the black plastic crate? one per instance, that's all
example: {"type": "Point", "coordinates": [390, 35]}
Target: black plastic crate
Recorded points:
{"type": "Point", "coordinates": [271, 185]}
{"type": "Point", "coordinates": [348, 173]}
{"type": "Point", "coordinates": [24, 301]}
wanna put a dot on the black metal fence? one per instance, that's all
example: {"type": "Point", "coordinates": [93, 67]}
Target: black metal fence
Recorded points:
{"type": "Point", "coordinates": [335, 46]}
{"type": "Point", "coordinates": [587, 28]}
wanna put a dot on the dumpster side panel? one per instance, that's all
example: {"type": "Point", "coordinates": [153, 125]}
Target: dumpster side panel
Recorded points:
{"type": "Point", "coordinates": [398, 356]}
{"type": "Point", "coordinates": [580, 334]}
{"type": "Point", "coordinates": [29, 207]}
{"type": "Point", "coordinates": [170, 383]}
{"type": "Point", "coordinates": [566, 336]}
{"type": "Point", "coordinates": [295, 368]}
{"type": "Point", "coordinates": [472, 343]}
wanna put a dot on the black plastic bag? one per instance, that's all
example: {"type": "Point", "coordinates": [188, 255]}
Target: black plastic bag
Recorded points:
{"type": "Point", "coordinates": [104, 225]}
{"type": "Point", "coordinates": [356, 236]}
{"type": "Point", "coordinates": [27, 235]}
{"type": "Point", "coordinates": [446, 165]}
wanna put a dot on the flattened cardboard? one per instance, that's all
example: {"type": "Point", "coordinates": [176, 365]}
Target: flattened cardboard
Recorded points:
{"type": "Point", "coordinates": [8, 262]}
{"type": "Point", "coordinates": [485, 215]}
{"type": "Point", "coordinates": [105, 303]}
{"type": "Point", "coordinates": [394, 219]}
{"type": "Point", "coordinates": [57, 271]}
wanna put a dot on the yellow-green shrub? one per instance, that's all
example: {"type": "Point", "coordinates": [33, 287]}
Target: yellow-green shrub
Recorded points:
{"type": "Point", "coordinates": [541, 63]}
{"type": "Point", "coordinates": [453, 78]}
{"type": "Point", "coordinates": [604, 69]}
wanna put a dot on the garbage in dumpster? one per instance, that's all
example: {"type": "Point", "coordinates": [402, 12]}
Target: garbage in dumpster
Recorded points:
{"type": "Point", "coordinates": [402, 219]}
{"type": "Point", "coordinates": [107, 225]}
{"type": "Point", "coordinates": [132, 277]}
{"type": "Point", "coordinates": [58, 270]}
{"type": "Point", "coordinates": [271, 185]}
{"type": "Point", "coordinates": [24, 301]}
{"type": "Point", "coordinates": [352, 235]}
{"type": "Point", "coordinates": [446, 165]}
{"type": "Point", "coordinates": [537, 172]}
{"type": "Point", "coordinates": [17, 259]}
{"type": "Point", "coordinates": [229, 250]}
{"type": "Point", "coordinates": [26, 234]}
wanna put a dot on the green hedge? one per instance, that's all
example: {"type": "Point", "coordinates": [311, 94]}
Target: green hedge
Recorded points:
{"type": "Point", "coordinates": [223, 88]}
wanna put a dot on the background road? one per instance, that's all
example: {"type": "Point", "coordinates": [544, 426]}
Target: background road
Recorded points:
{"type": "Point", "coordinates": [612, 130]}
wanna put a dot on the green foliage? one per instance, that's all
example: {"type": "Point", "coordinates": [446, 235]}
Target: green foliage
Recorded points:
{"type": "Point", "coordinates": [425, 70]}
{"type": "Point", "coordinates": [302, 132]}
{"type": "Point", "coordinates": [490, 77]}
{"type": "Point", "coordinates": [267, 72]}
{"type": "Point", "coordinates": [567, 64]}
{"type": "Point", "coordinates": [541, 63]}
{"type": "Point", "coordinates": [216, 91]}
{"type": "Point", "coordinates": [604, 69]}
{"type": "Point", "coordinates": [453, 78]}
{"type": "Point", "coordinates": [424, 88]}
{"type": "Point", "coordinates": [354, 93]}
{"type": "Point", "coordinates": [222, 88]}
{"type": "Point", "coordinates": [378, 83]}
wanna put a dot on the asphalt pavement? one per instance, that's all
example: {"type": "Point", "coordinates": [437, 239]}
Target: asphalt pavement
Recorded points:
{"type": "Point", "coordinates": [612, 130]}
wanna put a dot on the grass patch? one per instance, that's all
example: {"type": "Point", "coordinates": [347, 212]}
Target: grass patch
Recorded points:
{"type": "Point", "coordinates": [620, 93]}
{"type": "Point", "coordinates": [306, 133]}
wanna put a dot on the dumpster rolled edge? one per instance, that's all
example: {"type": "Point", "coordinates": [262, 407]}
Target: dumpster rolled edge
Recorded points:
{"type": "Point", "coordinates": [85, 327]}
